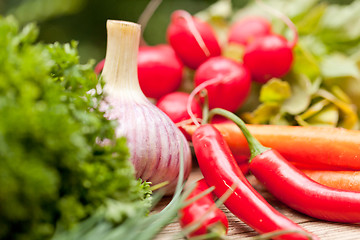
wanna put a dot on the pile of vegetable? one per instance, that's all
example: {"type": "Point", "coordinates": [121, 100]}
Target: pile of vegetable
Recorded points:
{"type": "Point", "coordinates": [315, 75]}
{"type": "Point", "coordinates": [322, 86]}
{"type": "Point", "coordinates": [80, 146]}
{"type": "Point", "coordinates": [300, 82]}
{"type": "Point", "coordinates": [53, 172]}
{"type": "Point", "coordinates": [269, 69]}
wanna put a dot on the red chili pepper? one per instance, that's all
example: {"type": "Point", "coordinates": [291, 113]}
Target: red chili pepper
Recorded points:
{"type": "Point", "coordinates": [219, 168]}
{"type": "Point", "coordinates": [293, 187]}
{"type": "Point", "coordinates": [213, 220]}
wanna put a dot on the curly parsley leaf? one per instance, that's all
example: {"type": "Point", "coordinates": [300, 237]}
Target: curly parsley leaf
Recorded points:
{"type": "Point", "coordinates": [53, 172]}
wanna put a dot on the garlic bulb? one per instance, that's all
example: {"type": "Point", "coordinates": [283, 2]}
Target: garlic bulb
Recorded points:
{"type": "Point", "coordinates": [153, 139]}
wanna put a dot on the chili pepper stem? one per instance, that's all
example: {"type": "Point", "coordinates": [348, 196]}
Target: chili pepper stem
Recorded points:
{"type": "Point", "coordinates": [255, 146]}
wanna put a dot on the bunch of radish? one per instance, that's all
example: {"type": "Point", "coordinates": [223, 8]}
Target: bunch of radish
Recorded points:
{"type": "Point", "coordinates": [217, 81]}
{"type": "Point", "coordinates": [194, 46]}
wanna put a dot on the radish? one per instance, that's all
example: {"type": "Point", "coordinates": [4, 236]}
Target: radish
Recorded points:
{"type": "Point", "coordinates": [248, 29]}
{"type": "Point", "coordinates": [174, 105]}
{"type": "Point", "coordinates": [268, 56]}
{"type": "Point", "coordinates": [192, 39]}
{"type": "Point", "coordinates": [271, 55]}
{"type": "Point", "coordinates": [232, 86]}
{"type": "Point", "coordinates": [160, 70]}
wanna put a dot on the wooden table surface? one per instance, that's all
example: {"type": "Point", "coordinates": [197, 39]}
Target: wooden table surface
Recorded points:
{"type": "Point", "coordinates": [238, 230]}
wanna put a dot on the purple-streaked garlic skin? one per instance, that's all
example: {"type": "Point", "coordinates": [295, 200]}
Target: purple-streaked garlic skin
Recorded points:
{"type": "Point", "coordinates": [153, 139]}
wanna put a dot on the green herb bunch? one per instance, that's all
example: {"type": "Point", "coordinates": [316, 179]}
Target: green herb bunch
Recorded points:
{"type": "Point", "coordinates": [53, 171]}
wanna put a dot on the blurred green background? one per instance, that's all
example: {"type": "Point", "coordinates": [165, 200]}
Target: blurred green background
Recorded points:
{"type": "Point", "coordinates": [85, 20]}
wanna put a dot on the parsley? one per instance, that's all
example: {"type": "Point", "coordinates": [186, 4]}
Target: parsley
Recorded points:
{"type": "Point", "coordinates": [52, 172]}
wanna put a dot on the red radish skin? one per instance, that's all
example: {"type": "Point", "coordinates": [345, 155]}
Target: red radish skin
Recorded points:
{"type": "Point", "coordinates": [160, 70]}
{"type": "Point", "coordinates": [192, 39]}
{"type": "Point", "coordinates": [268, 57]}
{"type": "Point", "coordinates": [234, 82]}
{"type": "Point", "coordinates": [174, 105]}
{"type": "Point", "coordinates": [246, 30]}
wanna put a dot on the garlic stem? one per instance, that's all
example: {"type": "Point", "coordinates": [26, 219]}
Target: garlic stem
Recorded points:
{"type": "Point", "coordinates": [120, 69]}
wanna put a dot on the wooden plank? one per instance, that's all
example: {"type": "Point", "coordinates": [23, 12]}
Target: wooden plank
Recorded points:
{"type": "Point", "coordinates": [239, 230]}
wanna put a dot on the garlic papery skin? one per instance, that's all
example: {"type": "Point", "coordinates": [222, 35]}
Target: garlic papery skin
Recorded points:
{"type": "Point", "coordinates": [153, 139]}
